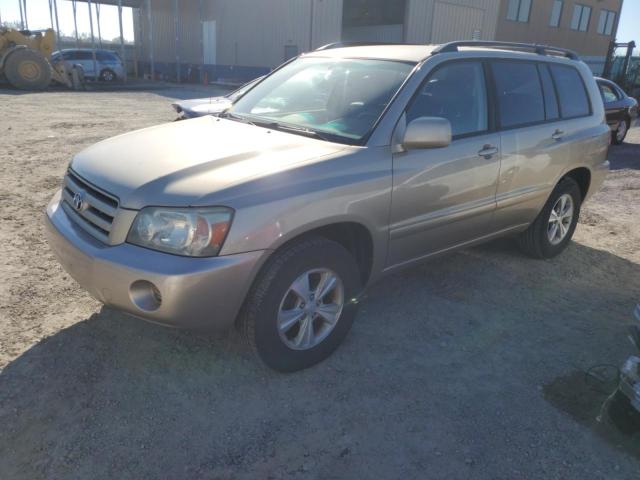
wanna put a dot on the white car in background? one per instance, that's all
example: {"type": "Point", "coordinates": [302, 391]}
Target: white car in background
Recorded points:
{"type": "Point", "coordinates": [198, 107]}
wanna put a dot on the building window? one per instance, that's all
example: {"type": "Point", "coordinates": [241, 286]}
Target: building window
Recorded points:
{"type": "Point", "coordinates": [518, 10]}
{"type": "Point", "coordinates": [556, 13]}
{"type": "Point", "coordinates": [606, 21]}
{"type": "Point", "coordinates": [581, 16]}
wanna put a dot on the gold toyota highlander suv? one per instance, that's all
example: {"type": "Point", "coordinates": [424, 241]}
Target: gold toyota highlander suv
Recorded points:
{"type": "Point", "coordinates": [341, 166]}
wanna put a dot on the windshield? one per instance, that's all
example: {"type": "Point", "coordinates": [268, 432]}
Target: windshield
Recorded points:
{"type": "Point", "coordinates": [338, 99]}
{"type": "Point", "coordinates": [233, 96]}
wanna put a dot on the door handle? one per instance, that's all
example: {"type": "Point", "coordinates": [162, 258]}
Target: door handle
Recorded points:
{"type": "Point", "coordinates": [558, 134]}
{"type": "Point", "coordinates": [488, 151]}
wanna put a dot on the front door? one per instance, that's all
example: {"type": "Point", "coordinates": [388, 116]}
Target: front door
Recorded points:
{"type": "Point", "coordinates": [444, 197]}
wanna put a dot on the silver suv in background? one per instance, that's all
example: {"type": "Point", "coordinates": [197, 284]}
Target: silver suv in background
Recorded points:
{"type": "Point", "coordinates": [338, 168]}
{"type": "Point", "coordinates": [108, 66]}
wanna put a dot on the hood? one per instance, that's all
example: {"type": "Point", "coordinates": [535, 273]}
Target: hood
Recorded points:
{"type": "Point", "coordinates": [179, 163]}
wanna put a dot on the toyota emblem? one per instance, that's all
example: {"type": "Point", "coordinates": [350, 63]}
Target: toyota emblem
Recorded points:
{"type": "Point", "coordinates": [78, 201]}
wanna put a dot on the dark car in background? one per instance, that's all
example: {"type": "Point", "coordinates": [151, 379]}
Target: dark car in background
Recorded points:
{"type": "Point", "coordinates": [621, 109]}
{"type": "Point", "coordinates": [108, 66]}
{"type": "Point", "coordinates": [198, 107]}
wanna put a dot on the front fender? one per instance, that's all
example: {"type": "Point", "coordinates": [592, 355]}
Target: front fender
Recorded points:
{"type": "Point", "coordinates": [273, 210]}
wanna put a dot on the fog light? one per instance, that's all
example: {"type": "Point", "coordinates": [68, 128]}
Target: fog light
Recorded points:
{"type": "Point", "coordinates": [145, 295]}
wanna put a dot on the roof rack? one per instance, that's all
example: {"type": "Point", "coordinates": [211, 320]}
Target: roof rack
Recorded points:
{"type": "Point", "coordinates": [534, 47]}
{"type": "Point", "coordinates": [330, 46]}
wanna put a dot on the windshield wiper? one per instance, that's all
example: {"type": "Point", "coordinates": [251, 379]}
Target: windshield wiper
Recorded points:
{"type": "Point", "coordinates": [235, 117]}
{"type": "Point", "coordinates": [296, 130]}
{"type": "Point", "coordinates": [273, 125]}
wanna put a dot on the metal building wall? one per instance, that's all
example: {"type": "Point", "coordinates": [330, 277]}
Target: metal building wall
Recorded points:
{"type": "Point", "coordinates": [453, 19]}
{"type": "Point", "coordinates": [255, 33]}
{"type": "Point", "coordinates": [327, 22]}
{"type": "Point", "coordinates": [163, 26]}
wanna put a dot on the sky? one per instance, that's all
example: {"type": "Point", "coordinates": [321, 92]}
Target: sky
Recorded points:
{"type": "Point", "coordinates": [38, 17]}
{"type": "Point", "coordinates": [629, 27]}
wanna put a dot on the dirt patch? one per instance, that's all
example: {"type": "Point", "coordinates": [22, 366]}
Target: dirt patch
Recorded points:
{"type": "Point", "coordinates": [448, 373]}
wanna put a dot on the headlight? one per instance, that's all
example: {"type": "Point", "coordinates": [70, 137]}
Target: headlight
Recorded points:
{"type": "Point", "coordinates": [193, 232]}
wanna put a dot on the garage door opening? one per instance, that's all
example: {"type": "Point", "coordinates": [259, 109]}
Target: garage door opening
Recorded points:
{"type": "Point", "coordinates": [373, 20]}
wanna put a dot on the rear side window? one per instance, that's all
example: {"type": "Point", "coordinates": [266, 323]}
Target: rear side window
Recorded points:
{"type": "Point", "coordinates": [519, 93]}
{"type": "Point", "coordinates": [81, 55]}
{"type": "Point", "coordinates": [574, 101]}
{"type": "Point", "coordinates": [457, 92]}
{"type": "Point", "coordinates": [550, 99]}
{"type": "Point", "coordinates": [106, 56]}
{"type": "Point", "coordinates": [608, 93]}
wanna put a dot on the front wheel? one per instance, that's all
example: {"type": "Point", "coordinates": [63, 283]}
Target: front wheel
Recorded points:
{"type": "Point", "coordinates": [552, 230]}
{"type": "Point", "coordinates": [300, 308]}
{"type": "Point", "coordinates": [28, 69]}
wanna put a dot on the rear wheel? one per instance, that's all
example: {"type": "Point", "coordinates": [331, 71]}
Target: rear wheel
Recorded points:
{"type": "Point", "coordinates": [552, 230]}
{"type": "Point", "coordinates": [300, 309]}
{"type": "Point", "coordinates": [619, 135]}
{"type": "Point", "coordinates": [108, 75]}
{"type": "Point", "coordinates": [28, 69]}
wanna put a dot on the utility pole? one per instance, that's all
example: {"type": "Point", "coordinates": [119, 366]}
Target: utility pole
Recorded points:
{"type": "Point", "coordinates": [93, 43]}
{"type": "Point", "coordinates": [122, 49]}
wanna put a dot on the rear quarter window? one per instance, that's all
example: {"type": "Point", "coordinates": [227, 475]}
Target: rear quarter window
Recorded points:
{"type": "Point", "coordinates": [573, 97]}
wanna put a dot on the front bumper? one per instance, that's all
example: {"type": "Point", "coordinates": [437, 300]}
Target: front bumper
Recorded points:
{"type": "Point", "coordinates": [199, 293]}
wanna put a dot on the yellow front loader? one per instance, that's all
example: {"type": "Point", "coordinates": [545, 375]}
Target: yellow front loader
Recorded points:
{"type": "Point", "coordinates": [25, 59]}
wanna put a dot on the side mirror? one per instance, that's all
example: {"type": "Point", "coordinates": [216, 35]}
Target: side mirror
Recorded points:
{"type": "Point", "coordinates": [427, 132]}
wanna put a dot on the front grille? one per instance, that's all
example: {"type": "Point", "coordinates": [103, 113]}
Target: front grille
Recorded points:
{"type": "Point", "coordinates": [99, 209]}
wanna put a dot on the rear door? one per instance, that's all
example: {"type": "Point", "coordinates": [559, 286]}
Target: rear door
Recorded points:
{"type": "Point", "coordinates": [526, 111]}
{"type": "Point", "coordinates": [443, 197]}
{"type": "Point", "coordinates": [536, 141]}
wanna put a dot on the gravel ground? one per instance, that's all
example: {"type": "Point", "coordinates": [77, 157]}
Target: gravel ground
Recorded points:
{"type": "Point", "coordinates": [466, 367]}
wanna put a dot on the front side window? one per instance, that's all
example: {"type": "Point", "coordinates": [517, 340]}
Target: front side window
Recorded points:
{"type": "Point", "coordinates": [342, 98]}
{"type": "Point", "coordinates": [518, 10]}
{"type": "Point", "coordinates": [606, 21]}
{"type": "Point", "coordinates": [519, 93]}
{"type": "Point", "coordinates": [456, 92]}
{"type": "Point", "coordinates": [574, 101]}
{"type": "Point", "coordinates": [556, 13]}
{"type": "Point", "coordinates": [580, 18]}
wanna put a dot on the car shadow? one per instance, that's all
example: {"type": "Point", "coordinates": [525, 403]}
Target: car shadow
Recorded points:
{"type": "Point", "coordinates": [624, 156]}
{"type": "Point", "coordinates": [445, 367]}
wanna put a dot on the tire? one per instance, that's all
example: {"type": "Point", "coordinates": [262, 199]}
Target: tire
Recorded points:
{"type": "Point", "coordinates": [260, 315]}
{"type": "Point", "coordinates": [620, 134]}
{"type": "Point", "coordinates": [108, 75]}
{"type": "Point", "coordinates": [28, 69]}
{"type": "Point", "coordinates": [536, 241]}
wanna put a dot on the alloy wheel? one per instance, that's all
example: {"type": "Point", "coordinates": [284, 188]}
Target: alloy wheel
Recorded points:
{"type": "Point", "coordinates": [310, 309]}
{"type": "Point", "coordinates": [560, 219]}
